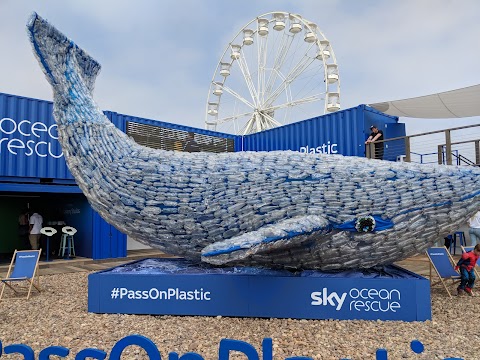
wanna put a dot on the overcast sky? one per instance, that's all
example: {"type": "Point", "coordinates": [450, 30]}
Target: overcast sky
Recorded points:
{"type": "Point", "coordinates": [158, 57]}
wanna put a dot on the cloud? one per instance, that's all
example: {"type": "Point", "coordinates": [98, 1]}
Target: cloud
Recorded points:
{"type": "Point", "coordinates": [158, 57]}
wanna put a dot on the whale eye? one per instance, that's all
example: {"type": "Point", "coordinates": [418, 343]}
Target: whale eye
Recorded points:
{"type": "Point", "coordinates": [365, 224]}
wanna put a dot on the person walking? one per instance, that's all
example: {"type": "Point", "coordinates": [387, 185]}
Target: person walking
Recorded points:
{"type": "Point", "coordinates": [474, 231]}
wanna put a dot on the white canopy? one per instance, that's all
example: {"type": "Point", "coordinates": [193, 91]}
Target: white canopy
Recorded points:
{"type": "Point", "coordinates": [458, 103]}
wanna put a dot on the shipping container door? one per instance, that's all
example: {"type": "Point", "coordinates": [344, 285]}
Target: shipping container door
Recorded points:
{"type": "Point", "coordinates": [396, 148]}
{"type": "Point", "coordinates": [108, 241]}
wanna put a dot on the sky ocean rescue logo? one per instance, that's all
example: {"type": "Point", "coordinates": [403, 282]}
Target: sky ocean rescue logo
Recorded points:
{"type": "Point", "coordinates": [366, 300]}
{"type": "Point", "coordinates": [29, 138]}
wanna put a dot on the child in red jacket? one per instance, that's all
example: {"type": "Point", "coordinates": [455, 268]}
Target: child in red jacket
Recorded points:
{"type": "Point", "coordinates": [466, 264]}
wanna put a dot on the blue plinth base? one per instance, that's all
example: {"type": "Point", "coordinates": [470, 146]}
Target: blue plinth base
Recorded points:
{"type": "Point", "coordinates": [178, 287]}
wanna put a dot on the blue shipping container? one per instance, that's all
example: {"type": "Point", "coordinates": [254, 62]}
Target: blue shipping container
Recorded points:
{"type": "Point", "coordinates": [120, 121]}
{"type": "Point", "coordinates": [343, 132]}
{"type": "Point", "coordinates": [28, 139]}
{"type": "Point", "coordinates": [29, 146]}
{"type": "Point", "coordinates": [32, 165]}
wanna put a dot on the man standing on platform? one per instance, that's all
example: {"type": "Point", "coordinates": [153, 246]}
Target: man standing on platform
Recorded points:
{"type": "Point", "coordinates": [376, 135]}
{"type": "Point", "coordinates": [36, 222]}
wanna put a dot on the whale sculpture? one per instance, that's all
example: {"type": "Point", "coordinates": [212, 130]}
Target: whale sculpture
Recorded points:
{"type": "Point", "coordinates": [269, 209]}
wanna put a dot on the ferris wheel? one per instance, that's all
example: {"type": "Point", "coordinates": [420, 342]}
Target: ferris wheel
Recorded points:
{"type": "Point", "coordinates": [279, 68]}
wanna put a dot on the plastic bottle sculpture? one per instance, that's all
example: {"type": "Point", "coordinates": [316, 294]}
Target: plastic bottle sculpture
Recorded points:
{"type": "Point", "coordinates": [268, 209]}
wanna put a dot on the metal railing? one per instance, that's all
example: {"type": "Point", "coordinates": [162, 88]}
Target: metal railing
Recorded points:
{"type": "Point", "coordinates": [446, 152]}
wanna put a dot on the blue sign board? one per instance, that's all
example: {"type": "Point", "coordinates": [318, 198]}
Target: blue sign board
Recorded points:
{"type": "Point", "coordinates": [279, 294]}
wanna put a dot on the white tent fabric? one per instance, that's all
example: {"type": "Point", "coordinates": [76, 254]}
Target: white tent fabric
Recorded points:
{"type": "Point", "coordinates": [458, 103]}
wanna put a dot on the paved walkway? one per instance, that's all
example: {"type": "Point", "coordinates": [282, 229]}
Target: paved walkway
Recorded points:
{"type": "Point", "coordinates": [61, 266]}
{"type": "Point", "coordinates": [418, 264]}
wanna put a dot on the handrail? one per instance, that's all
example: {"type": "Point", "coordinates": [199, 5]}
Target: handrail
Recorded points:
{"type": "Point", "coordinates": [461, 142]}
{"type": "Point", "coordinates": [428, 133]}
{"type": "Point", "coordinates": [370, 148]}
{"type": "Point", "coordinates": [466, 160]}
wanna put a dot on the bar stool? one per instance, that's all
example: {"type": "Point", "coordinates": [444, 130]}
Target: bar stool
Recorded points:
{"type": "Point", "coordinates": [461, 238]}
{"type": "Point", "coordinates": [48, 232]}
{"type": "Point", "coordinates": [67, 242]}
{"type": "Point", "coordinates": [460, 235]}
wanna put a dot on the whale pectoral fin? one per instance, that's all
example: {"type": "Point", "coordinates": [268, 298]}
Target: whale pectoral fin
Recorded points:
{"type": "Point", "coordinates": [51, 47]}
{"type": "Point", "coordinates": [282, 235]}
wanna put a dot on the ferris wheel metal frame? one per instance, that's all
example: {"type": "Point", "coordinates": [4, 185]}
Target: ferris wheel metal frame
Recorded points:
{"type": "Point", "coordinates": [261, 97]}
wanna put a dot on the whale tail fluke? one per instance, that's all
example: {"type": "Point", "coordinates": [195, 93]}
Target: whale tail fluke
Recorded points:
{"type": "Point", "coordinates": [53, 50]}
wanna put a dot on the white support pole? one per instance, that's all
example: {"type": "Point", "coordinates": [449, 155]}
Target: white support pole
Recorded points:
{"type": "Point", "coordinates": [294, 73]}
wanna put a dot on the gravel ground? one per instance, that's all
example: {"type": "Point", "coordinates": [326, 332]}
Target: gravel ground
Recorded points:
{"type": "Point", "coordinates": [58, 316]}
